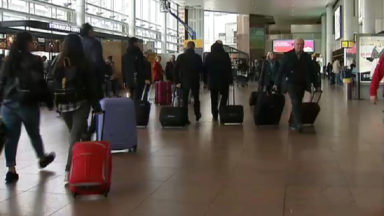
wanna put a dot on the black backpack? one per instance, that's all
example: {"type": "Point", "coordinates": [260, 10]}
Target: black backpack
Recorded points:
{"type": "Point", "coordinates": [67, 85]}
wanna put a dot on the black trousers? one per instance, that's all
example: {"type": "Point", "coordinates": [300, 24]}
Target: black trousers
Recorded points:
{"type": "Point", "coordinates": [215, 100]}
{"type": "Point", "coordinates": [296, 93]}
{"type": "Point", "coordinates": [196, 100]}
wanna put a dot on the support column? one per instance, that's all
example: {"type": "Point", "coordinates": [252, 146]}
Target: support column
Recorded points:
{"type": "Point", "coordinates": [368, 12]}
{"type": "Point", "coordinates": [347, 19]}
{"type": "Point", "coordinates": [324, 38]}
{"type": "Point", "coordinates": [329, 19]}
{"type": "Point", "coordinates": [80, 12]}
{"type": "Point", "coordinates": [165, 32]}
{"type": "Point", "coordinates": [132, 17]}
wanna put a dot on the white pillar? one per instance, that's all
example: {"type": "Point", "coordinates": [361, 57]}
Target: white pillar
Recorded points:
{"type": "Point", "coordinates": [368, 11]}
{"type": "Point", "coordinates": [347, 19]}
{"type": "Point", "coordinates": [165, 32]}
{"type": "Point", "coordinates": [132, 17]}
{"type": "Point", "coordinates": [329, 19]}
{"type": "Point", "coordinates": [80, 12]}
{"type": "Point", "coordinates": [324, 38]}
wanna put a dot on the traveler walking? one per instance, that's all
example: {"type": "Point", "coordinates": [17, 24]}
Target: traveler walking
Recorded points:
{"type": "Point", "coordinates": [170, 69]}
{"type": "Point", "coordinates": [133, 68]}
{"type": "Point", "coordinates": [297, 69]}
{"type": "Point", "coordinates": [23, 88]}
{"type": "Point", "coordinates": [336, 68]}
{"type": "Point", "coordinates": [111, 81]}
{"type": "Point", "coordinates": [157, 70]}
{"type": "Point", "coordinates": [189, 67]}
{"type": "Point", "coordinates": [93, 52]}
{"type": "Point", "coordinates": [218, 68]}
{"type": "Point", "coordinates": [269, 74]}
{"type": "Point", "coordinates": [76, 90]}
{"type": "Point", "coordinates": [376, 79]}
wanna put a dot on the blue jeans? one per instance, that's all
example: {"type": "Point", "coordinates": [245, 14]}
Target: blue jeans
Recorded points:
{"type": "Point", "coordinates": [13, 115]}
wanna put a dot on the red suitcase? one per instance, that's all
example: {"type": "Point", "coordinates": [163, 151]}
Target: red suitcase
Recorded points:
{"type": "Point", "coordinates": [91, 168]}
{"type": "Point", "coordinates": [163, 93]}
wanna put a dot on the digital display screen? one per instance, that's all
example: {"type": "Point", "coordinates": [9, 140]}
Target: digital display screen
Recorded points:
{"type": "Point", "coordinates": [282, 46]}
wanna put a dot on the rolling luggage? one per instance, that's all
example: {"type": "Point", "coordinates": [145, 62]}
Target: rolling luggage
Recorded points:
{"type": "Point", "coordinates": [253, 98]}
{"type": "Point", "coordinates": [173, 116]}
{"type": "Point", "coordinates": [143, 109]}
{"type": "Point", "coordinates": [310, 110]}
{"type": "Point", "coordinates": [163, 93]}
{"type": "Point", "coordinates": [119, 121]}
{"type": "Point", "coordinates": [91, 168]}
{"type": "Point", "coordinates": [232, 114]}
{"type": "Point", "coordinates": [268, 109]}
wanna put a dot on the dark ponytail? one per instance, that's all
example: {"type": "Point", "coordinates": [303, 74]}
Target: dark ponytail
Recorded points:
{"type": "Point", "coordinates": [18, 48]}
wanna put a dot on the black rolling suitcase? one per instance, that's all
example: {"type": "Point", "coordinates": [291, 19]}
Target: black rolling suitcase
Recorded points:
{"type": "Point", "coordinates": [175, 115]}
{"type": "Point", "coordinates": [268, 108]}
{"type": "Point", "coordinates": [232, 114]}
{"type": "Point", "coordinates": [253, 98]}
{"type": "Point", "coordinates": [310, 110]}
{"type": "Point", "coordinates": [143, 109]}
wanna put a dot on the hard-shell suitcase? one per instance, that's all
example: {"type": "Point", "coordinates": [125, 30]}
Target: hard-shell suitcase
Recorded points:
{"type": "Point", "coordinates": [232, 114]}
{"type": "Point", "coordinates": [268, 109]}
{"type": "Point", "coordinates": [253, 98]}
{"type": "Point", "coordinates": [143, 109]}
{"type": "Point", "coordinates": [91, 168]}
{"type": "Point", "coordinates": [173, 116]}
{"type": "Point", "coordinates": [119, 122]}
{"type": "Point", "coordinates": [163, 93]}
{"type": "Point", "coordinates": [310, 110]}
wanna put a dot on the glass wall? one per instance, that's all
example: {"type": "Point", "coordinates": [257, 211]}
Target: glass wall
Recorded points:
{"type": "Point", "coordinates": [219, 26]}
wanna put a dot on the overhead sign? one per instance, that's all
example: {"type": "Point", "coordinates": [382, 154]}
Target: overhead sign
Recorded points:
{"type": "Point", "coordinates": [281, 46]}
{"type": "Point", "coordinates": [63, 27]}
{"type": "Point", "coordinates": [347, 44]}
{"type": "Point", "coordinates": [198, 43]}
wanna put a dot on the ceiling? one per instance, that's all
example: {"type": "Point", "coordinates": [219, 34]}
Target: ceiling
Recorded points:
{"type": "Point", "coordinates": [284, 11]}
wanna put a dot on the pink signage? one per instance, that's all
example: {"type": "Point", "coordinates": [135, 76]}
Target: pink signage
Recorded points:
{"type": "Point", "coordinates": [281, 46]}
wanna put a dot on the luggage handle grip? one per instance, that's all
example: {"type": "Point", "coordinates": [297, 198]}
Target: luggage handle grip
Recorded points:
{"type": "Point", "coordinates": [314, 93]}
{"type": "Point", "coordinates": [103, 122]}
{"type": "Point", "coordinates": [146, 87]}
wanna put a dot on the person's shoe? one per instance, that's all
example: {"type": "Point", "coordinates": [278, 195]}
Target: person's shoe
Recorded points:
{"type": "Point", "coordinates": [66, 177]}
{"type": "Point", "coordinates": [47, 159]}
{"type": "Point", "coordinates": [198, 117]}
{"type": "Point", "coordinates": [11, 177]}
{"type": "Point", "coordinates": [296, 128]}
{"type": "Point", "coordinates": [188, 122]}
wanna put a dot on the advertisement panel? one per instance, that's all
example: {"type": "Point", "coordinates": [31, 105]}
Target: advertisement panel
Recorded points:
{"type": "Point", "coordinates": [338, 23]}
{"type": "Point", "coordinates": [281, 46]}
{"type": "Point", "coordinates": [370, 49]}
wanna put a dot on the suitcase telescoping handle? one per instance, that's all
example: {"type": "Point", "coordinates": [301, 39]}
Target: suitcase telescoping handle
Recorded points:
{"type": "Point", "coordinates": [316, 95]}
{"type": "Point", "coordinates": [146, 88]}
{"type": "Point", "coordinates": [233, 95]}
{"type": "Point", "coordinates": [178, 96]}
{"type": "Point", "coordinates": [94, 114]}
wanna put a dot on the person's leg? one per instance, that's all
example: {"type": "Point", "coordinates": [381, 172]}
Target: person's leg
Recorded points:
{"type": "Point", "coordinates": [139, 92]}
{"type": "Point", "coordinates": [185, 101]}
{"type": "Point", "coordinates": [196, 102]}
{"type": "Point", "coordinates": [77, 121]}
{"type": "Point", "coordinates": [296, 94]}
{"type": "Point", "coordinates": [30, 116]}
{"type": "Point", "coordinates": [214, 103]}
{"type": "Point", "coordinates": [12, 123]}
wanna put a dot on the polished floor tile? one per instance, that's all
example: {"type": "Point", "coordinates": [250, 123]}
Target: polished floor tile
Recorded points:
{"type": "Point", "coordinates": [335, 168]}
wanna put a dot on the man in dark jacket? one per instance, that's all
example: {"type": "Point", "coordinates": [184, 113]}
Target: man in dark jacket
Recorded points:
{"type": "Point", "coordinates": [297, 70]}
{"type": "Point", "coordinates": [134, 70]}
{"type": "Point", "coordinates": [218, 68]}
{"type": "Point", "coordinates": [189, 66]}
{"type": "Point", "coordinates": [170, 69]}
{"type": "Point", "coordinates": [94, 54]}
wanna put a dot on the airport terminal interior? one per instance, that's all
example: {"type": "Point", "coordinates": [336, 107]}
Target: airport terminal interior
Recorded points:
{"type": "Point", "coordinates": [333, 166]}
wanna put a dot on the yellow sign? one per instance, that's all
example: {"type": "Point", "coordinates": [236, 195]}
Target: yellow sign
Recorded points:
{"type": "Point", "coordinates": [198, 43]}
{"type": "Point", "coordinates": [347, 44]}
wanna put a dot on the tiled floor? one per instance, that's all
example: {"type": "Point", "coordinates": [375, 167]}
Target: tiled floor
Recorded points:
{"type": "Point", "coordinates": [334, 169]}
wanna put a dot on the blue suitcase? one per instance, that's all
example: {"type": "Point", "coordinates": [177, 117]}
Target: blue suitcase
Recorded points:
{"type": "Point", "coordinates": [118, 124]}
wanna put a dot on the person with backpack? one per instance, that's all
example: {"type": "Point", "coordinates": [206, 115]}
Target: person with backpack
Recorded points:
{"type": "Point", "coordinates": [76, 90]}
{"type": "Point", "coordinates": [23, 88]}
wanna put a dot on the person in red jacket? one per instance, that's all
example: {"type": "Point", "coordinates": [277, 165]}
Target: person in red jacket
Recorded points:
{"type": "Point", "coordinates": [157, 70]}
{"type": "Point", "coordinates": [376, 78]}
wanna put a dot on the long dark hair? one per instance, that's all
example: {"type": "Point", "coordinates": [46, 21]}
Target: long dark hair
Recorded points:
{"type": "Point", "coordinates": [72, 49]}
{"type": "Point", "coordinates": [18, 49]}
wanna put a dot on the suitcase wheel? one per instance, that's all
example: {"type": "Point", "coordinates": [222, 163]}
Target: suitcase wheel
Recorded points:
{"type": "Point", "coordinates": [133, 149]}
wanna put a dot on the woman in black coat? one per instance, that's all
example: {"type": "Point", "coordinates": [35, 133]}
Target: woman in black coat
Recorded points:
{"type": "Point", "coordinates": [218, 69]}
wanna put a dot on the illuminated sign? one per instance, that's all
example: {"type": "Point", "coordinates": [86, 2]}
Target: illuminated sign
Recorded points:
{"type": "Point", "coordinates": [347, 44]}
{"type": "Point", "coordinates": [338, 23]}
{"type": "Point", "coordinates": [63, 27]}
{"type": "Point", "coordinates": [281, 46]}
